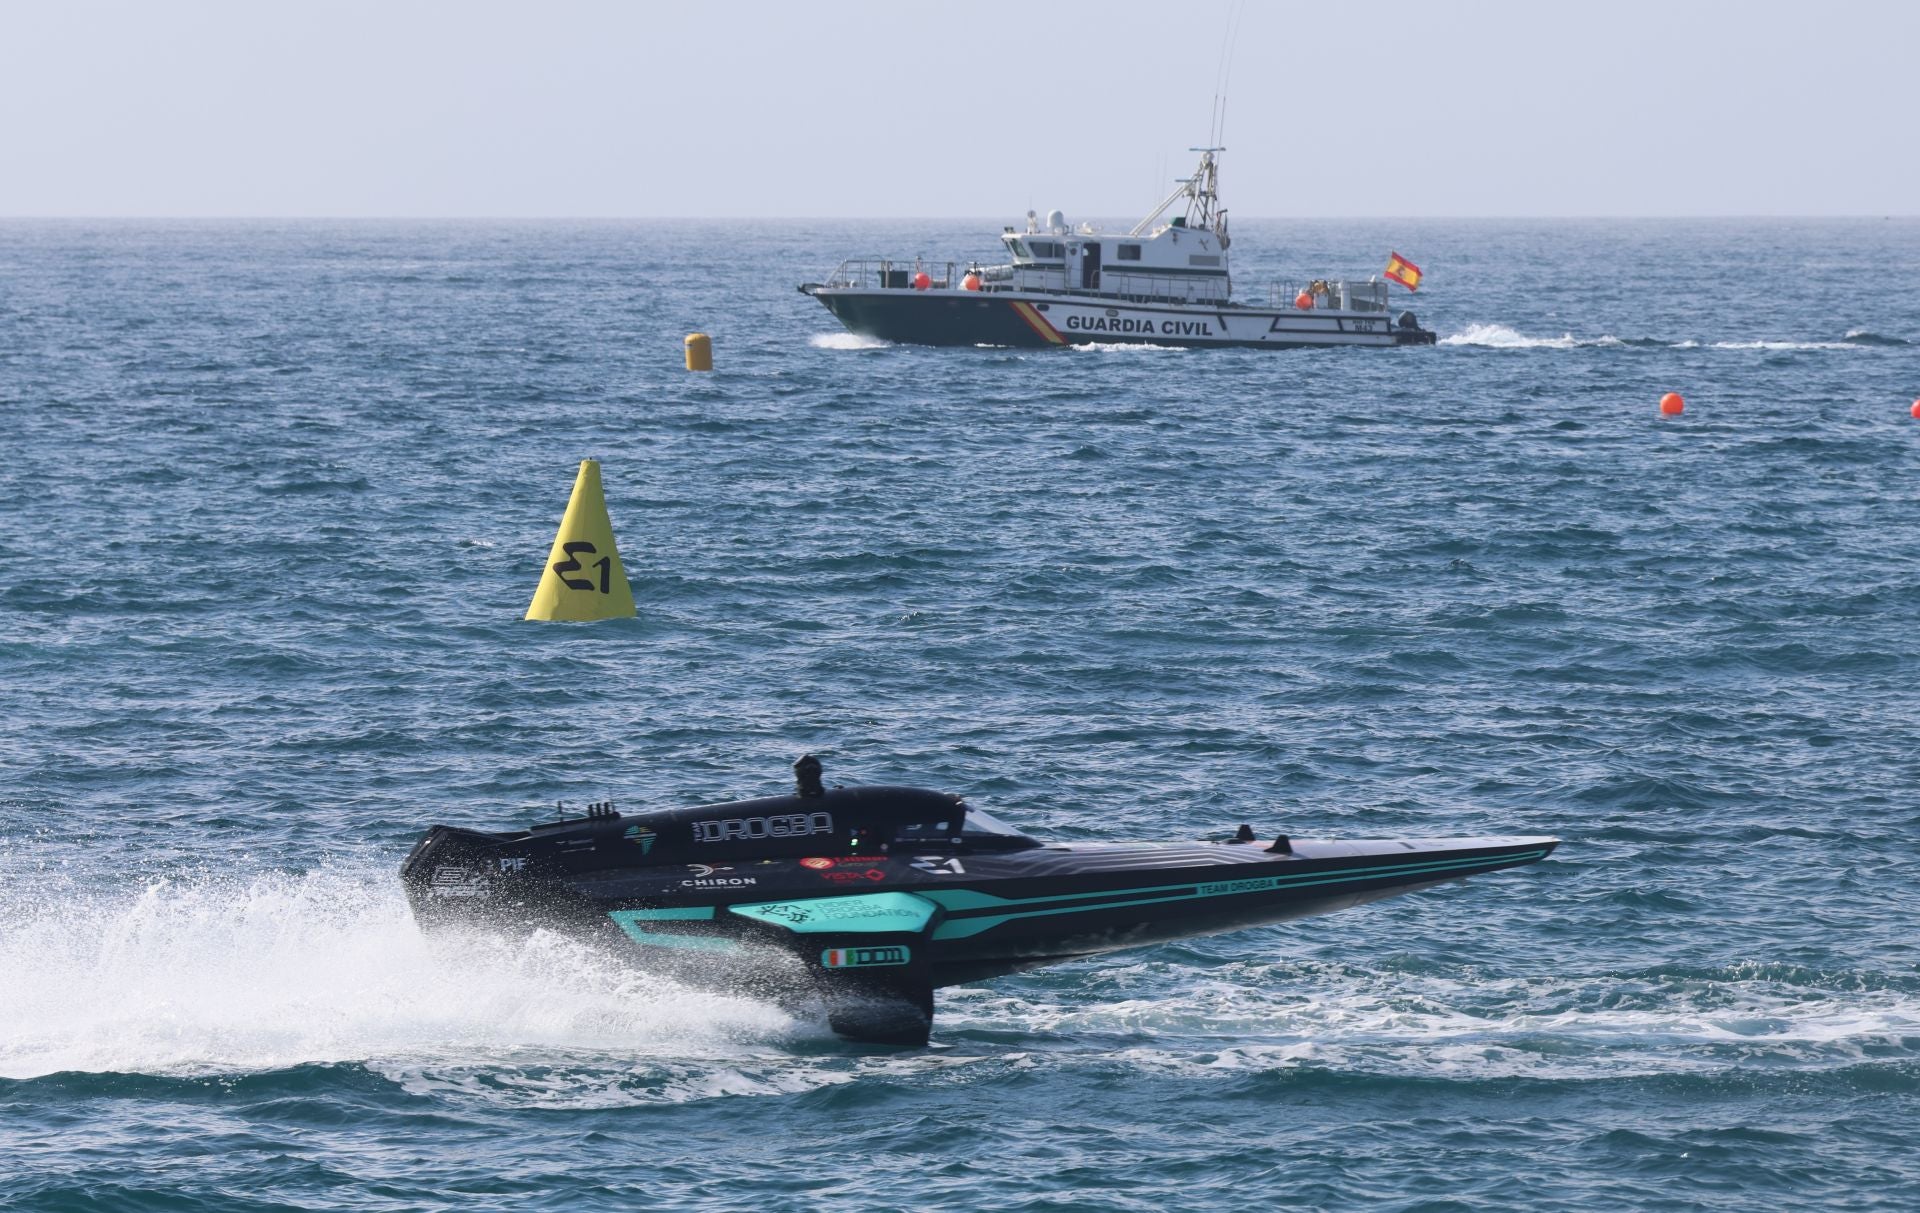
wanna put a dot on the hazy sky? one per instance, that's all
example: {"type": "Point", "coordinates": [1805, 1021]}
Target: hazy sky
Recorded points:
{"type": "Point", "coordinates": [709, 107]}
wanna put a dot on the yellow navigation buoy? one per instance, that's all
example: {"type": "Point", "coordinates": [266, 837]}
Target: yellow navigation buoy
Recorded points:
{"type": "Point", "coordinates": [699, 352]}
{"type": "Point", "coordinates": [584, 579]}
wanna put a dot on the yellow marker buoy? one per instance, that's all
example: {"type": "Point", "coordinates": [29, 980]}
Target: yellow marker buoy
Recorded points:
{"type": "Point", "coordinates": [699, 352]}
{"type": "Point", "coordinates": [584, 579]}
{"type": "Point", "coordinates": [1672, 405]}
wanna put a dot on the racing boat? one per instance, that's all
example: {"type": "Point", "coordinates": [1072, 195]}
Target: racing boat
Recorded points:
{"type": "Point", "coordinates": [1157, 283]}
{"type": "Point", "coordinates": [870, 898]}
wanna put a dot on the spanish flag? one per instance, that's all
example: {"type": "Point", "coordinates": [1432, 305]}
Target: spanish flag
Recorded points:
{"type": "Point", "coordinates": [1405, 272]}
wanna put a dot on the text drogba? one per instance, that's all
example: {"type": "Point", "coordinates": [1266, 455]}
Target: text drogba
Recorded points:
{"type": "Point", "coordinates": [789, 825]}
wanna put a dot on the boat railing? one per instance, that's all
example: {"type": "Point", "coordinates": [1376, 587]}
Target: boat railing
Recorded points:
{"type": "Point", "coordinates": [903, 273]}
{"type": "Point", "coordinates": [1133, 286]}
{"type": "Point", "coordinates": [1147, 287]}
{"type": "Point", "coordinates": [1368, 296]}
{"type": "Point", "coordinates": [893, 273]}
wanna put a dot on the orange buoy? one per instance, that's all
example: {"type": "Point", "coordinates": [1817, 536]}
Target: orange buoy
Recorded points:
{"type": "Point", "coordinates": [1916, 409]}
{"type": "Point", "coordinates": [970, 283]}
{"type": "Point", "coordinates": [1303, 301]}
{"type": "Point", "coordinates": [1672, 405]}
{"type": "Point", "coordinates": [922, 280]}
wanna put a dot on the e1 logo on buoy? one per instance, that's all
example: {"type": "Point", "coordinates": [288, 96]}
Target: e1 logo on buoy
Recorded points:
{"type": "Point", "coordinates": [583, 579]}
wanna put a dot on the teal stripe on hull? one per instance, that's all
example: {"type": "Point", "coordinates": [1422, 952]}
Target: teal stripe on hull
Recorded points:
{"type": "Point", "coordinates": [968, 899]}
{"type": "Point", "coordinates": [633, 922]}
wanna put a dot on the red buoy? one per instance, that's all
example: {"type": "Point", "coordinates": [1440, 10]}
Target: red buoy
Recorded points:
{"type": "Point", "coordinates": [922, 280]}
{"type": "Point", "coordinates": [1672, 405]}
{"type": "Point", "coordinates": [1916, 409]}
{"type": "Point", "coordinates": [970, 283]}
{"type": "Point", "coordinates": [1303, 301]}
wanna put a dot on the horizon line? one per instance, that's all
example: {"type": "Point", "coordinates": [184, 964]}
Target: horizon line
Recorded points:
{"type": "Point", "coordinates": [517, 218]}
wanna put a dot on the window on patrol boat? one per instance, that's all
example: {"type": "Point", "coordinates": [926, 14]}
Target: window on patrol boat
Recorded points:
{"type": "Point", "coordinates": [1129, 252]}
{"type": "Point", "coordinates": [1046, 248]}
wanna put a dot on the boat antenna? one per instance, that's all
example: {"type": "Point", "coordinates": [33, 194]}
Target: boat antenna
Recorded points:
{"type": "Point", "coordinates": [1202, 190]}
{"type": "Point", "coordinates": [1230, 34]}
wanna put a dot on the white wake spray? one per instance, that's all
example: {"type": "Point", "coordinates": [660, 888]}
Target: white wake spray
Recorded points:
{"type": "Point", "coordinates": [259, 973]}
{"type": "Point", "coordinates": [846, 341]}
{"type": "Point", "coordinates": [1500, 337]}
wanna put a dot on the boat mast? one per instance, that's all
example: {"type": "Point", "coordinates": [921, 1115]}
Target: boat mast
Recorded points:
{"type": "Point", "coordinates": [1202, 192]}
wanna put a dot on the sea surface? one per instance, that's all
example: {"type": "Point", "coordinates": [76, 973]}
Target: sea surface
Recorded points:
{"type": "Point", "coordinates": [274, 497]}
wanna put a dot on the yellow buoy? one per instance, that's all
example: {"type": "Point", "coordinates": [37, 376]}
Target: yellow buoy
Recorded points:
{"type": "Point", "coordinates": [699, 352]}
{"type": "Point", "coordinates": [584, 578]}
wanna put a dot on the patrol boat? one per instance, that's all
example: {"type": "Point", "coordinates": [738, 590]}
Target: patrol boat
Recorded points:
{"type": "Point", "coordinates": [1156, 284]}
{"type": "Point", "coordinates": [869, 898]}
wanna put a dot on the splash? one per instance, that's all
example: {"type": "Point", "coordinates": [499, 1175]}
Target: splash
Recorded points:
{"type": "Point", "coordinates": [1499, 336]}
{"type": "Point", "coordinates": [274, 971]}
{"type": "Point", "coordinates": [846, 341]}
{"type": "Point", "coordinates": [1128, 347]}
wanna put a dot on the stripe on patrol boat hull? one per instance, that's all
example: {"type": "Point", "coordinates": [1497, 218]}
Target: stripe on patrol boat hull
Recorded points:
{"type": "Point", "coordinates": [1035, 320]}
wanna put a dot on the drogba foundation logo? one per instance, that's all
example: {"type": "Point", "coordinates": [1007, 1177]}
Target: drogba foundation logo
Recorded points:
{"type": "Point", "coordinates": [641, 835]}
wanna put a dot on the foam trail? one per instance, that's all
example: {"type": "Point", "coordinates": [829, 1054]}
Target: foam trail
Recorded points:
{"type": "Point", "coordinates": [1499, 336]}
{"type": "Point", "coordinates": [1255, 1016]}
{"type": "Point", "coordinates": [846, 341]}
{"type": "Point", "coordinates": [278, 970]}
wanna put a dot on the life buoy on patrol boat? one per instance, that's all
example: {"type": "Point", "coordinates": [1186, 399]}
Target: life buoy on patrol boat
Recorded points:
{"type": "Point", "coordinates": [922, 280]}
{"type": "Point", "coordinates": [1304, 301]}
{"type": "Point", "coordinates": [970, 283]}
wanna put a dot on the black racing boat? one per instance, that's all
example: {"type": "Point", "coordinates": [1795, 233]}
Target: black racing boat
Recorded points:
{"type": "Point", "coordinates": [872, 897]}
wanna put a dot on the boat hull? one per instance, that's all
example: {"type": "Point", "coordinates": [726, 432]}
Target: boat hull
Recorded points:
{"type": "Point", "coordinates": [874, 935]}
{"type": "Point", "coordinates": [1042, 319]}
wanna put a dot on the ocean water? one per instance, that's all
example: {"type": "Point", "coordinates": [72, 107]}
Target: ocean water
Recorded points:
{"type": "Point", "coordinates": [275, 495]}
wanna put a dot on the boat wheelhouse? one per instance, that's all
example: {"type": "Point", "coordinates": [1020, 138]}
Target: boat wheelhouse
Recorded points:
{"type": "Point", "coordinates": [1161, 283]}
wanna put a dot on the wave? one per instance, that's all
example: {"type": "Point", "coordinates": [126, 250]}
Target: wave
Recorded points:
{"type": "Point", "coordinates": [1863, 337]}
{"type": "Point", "coordinates": [847, 341]}
{"type": "Point", "coordinates": [1128, 347]}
